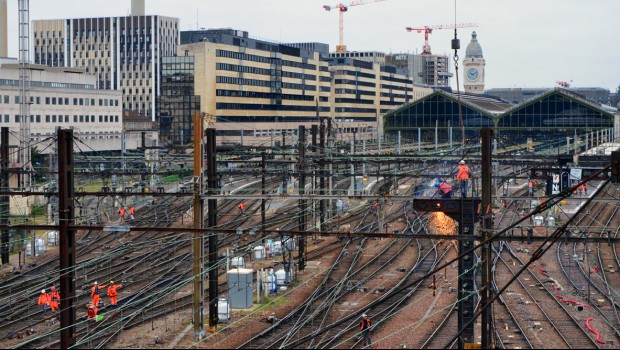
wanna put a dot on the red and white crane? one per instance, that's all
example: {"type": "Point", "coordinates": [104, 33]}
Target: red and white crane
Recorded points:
{"type": "Point", "coordinates": [342, 8]}
{"type": "Point", "coordinates": [429, 30]}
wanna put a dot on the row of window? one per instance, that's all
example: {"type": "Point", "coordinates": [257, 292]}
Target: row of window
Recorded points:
{"type": "Point", "coordinates": [64, 101]}
{"type": "Point", "coordinates": [354, 73]}
{"type": "Point", "coordinates": [354, 82]}
{"type": "Point", "coordinates": [396, 80]}
{"type": "Point", "coordinates": [48, 84]}
{"type": "Point", "coordinates": [263, 59]}
{"type": "Point", "coordinates": [264, 83]}
{"type": "Point", "coordinates": [64, 119]}
{"type": "Point", "coordinates": [256, 94]}
{"type": "Point", "coordinates": [355, 92]}
{"type": "Point", "coordinates": [393, 87]}
{"type": "Point", "coordinates": [269, 107]}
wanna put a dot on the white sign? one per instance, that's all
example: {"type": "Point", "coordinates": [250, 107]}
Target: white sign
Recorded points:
{"type": "Point", "coordinates": [575, 174]}
{"type": "Point", "coordinates": [555, 186]}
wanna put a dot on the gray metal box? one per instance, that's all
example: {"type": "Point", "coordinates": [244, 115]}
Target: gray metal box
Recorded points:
{"type": "Point", "coordinates": [240, 288]}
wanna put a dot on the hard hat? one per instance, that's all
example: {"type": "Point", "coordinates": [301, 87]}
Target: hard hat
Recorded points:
{"type": "Point", "coordinates": [111, 282]}
{"type": "Point", "coordinates": [42, 291]}
{"type": "Point", "coordinates": [95, 282]}
{"type": "Point", "coordinates": [364, 315]}
{"type": "Point", "coordinates": [462, 162]}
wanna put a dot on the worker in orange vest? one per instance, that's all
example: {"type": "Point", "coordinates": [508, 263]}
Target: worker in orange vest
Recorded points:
{"type": "Point", "coordinates": [242, 207]}
{"type": "Point", "coordinates": [121, 213]}
{"type": "Point", "coordinates": [365, 329]}
{"type": "Point", "coordinates": [132, 212]}
{"type": "Point", "coordinates": [585, 188]}
{"type": "Point", "coordinates": [463, 176]}
{"type": "Point", "coordinates": [444, 189]}
{"type": "Point", "coordinates": [92, 311]}
{"type": "Point", "coordinates": [54, 297]}
{"type": "Point", "coordinates": [112, 292]}
{"type": "Point", "coordinates": [95, 293]}
{"type": "Point", "coordinates": [44, 300]}
{"type": "Point", "coordinates": [530, 186]}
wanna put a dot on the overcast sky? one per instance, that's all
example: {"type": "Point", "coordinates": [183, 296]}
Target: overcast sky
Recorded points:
{"type": "Point", "coordinates": [526, 43]}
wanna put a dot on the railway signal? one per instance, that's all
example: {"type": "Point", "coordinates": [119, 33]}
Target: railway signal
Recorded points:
{"type": "Point", "coordinates": [615, 167]}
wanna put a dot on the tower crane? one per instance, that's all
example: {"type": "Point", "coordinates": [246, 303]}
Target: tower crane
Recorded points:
{"type": "Point", "coordinates": [342, 8]}
{"type": "Point", "coordinates": [429, 30]}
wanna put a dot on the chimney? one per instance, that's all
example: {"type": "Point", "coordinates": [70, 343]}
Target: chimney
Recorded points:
{"type": "Point", "coordinates": [137, 7]}
{"type": "Point", "coordinates": [4, 51]}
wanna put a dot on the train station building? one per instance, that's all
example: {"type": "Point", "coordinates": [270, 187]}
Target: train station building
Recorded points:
{"type": "Point", "coordinates": [554, 114]}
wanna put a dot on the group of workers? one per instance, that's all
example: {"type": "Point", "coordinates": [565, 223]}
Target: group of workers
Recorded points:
{"type": "Point", "coordinates": [132, 213]}
{"type": "Point", "coordinates": [463, 174]}
{"type": "Point", "coordinates": [95, 293]}
{"type": "Point", "coordinates": [49, 300]}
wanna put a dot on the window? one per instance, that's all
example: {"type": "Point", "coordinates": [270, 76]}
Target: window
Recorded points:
{"type": "Point", "coordinates": [6, 98]}
{"type": "Point", "coordinates": [100, 119]}
{"type": "Point", "coordinates": [75, 119]}
{"type": "Point", "coordinates": [16, 118]}
{"type": "Point", "coordinates": [75, 101]}
{"type": "Point", "coordinates": [116, 118]}
{"type": "Point", "coordinates": [53, 119]}
{"type": "Point", "coordinates": [81, 102]}
{"type": "Point", "coordinates": [105, 118]}
{"type": "Point", "coordinates": [38, 100]}
{"type": "Point", "coordinates": [38, 119]}
{"type": "Point", "coordinates": [6, 118]}
{"type": "Point", "coordinates": [47, 118]}
{"type": "Point", "coordinates": [47, 100]}
{"type": "Point", "coordinates": [60, 100]}
{"type": "Point", "coordinates": [66, 118]}
{"type": "Point", "coordinates": [81, 119]}
{"type": "Point", "coordinates": [92, 101]}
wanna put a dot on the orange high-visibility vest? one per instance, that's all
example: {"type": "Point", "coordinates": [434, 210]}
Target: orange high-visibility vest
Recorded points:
{"type": "Point", "coordinates": [121, 212]}
{"type": "Point", "coordinates": [445, 188]}
{"type": "Point", "coordinates": [112, 290]}
{"type": "Point", "coordinates": [132, 211]}
{"type": "Point", "coordinates": [44, 299]}
{"type": "Point", "coordinates": [463, 173]}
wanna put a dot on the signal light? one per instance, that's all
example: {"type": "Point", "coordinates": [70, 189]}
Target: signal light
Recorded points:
{"type": "Point", "coordinates": [615, 166]}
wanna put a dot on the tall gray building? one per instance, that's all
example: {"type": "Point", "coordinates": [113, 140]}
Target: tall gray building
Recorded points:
{"type": "Point", "coordinates": [124, 52]}
{"type": "Point", "coordinates": [431, 70]}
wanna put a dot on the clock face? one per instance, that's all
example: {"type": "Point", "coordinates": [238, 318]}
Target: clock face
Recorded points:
{"type": "Point", "coordinates": [472, 74]}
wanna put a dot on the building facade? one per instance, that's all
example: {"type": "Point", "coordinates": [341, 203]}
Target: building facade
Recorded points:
{"type": "Point", "coordinates": [427, 69]}
{"type": "Point", "coordinates": [177, 102]}
{"type": "Point", "coordinates": [257, 90]}
{"type": "Point", "coordinates": [122, 52]}
{"type": "Point", "coordinates": [62, 97]}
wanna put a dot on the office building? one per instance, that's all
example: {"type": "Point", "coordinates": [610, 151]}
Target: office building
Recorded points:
{"type": "Point", "coordinates": [177, 103]}
{"type": "Point", "coordinates": [427, 69]}
{"type": "Point", "coordinates": [122, 52]}
{"type": "Point", "coordinates": [257, 90]}
{"type": "Point", "coordinates": [62, 97]}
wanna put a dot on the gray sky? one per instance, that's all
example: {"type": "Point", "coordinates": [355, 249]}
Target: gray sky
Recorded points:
{"type": "Point", "coordinates": [526, 43]}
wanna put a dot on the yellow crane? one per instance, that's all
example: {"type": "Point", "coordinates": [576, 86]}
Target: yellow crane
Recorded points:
{"type": "Point", "coordinates": [342, 8]}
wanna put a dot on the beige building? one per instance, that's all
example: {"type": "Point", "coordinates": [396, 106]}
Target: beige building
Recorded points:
{"type": "Point", "coordinates": [122, 52]}
{"type": "Point", "coordinates": [256, 91]}
{"type": "Point", "coordinates": [61, 97]}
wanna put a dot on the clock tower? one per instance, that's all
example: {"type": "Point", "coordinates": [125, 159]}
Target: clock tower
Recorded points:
{"type": "Point", "coordinates": [473, 67]}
